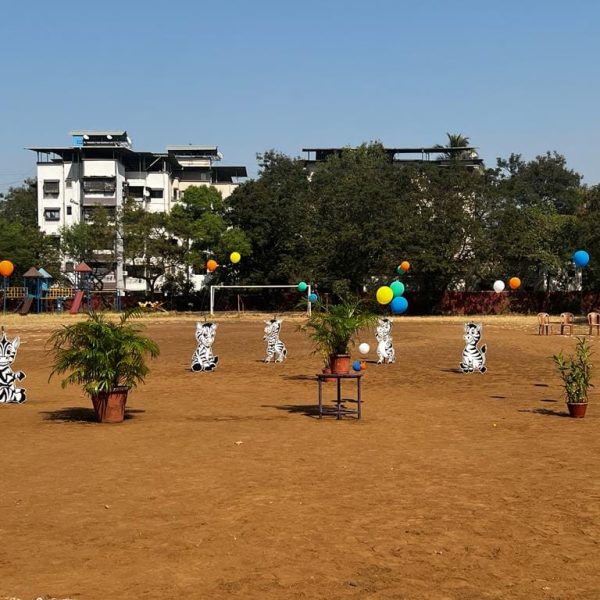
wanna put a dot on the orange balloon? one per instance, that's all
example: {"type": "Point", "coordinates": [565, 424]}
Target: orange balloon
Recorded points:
{"type": "Point", "coordinates": [211, 265]}
{"type": "Point", "coordinates": [514, 283]}
{"type": "Point", "coordinates": [363, 365]}
{"type": "Point", "coordinates": [6, 268]}
{"type": "Point", "coordinates": [405, 265]}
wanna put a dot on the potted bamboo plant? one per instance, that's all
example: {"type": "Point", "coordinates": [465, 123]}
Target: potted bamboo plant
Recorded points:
{"type": "Point", "coordinates": [107, 358]}
{"type": "Point", "coordinates": [333, 328]}
{"type": "Point", "coordinates": [576, 373]}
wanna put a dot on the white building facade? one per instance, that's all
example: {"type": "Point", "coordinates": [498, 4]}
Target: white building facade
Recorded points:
{"type": "Point", "coordinates": [100, 168]}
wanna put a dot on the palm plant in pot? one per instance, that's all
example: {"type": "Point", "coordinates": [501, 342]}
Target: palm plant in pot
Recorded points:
{"type": "Point", "coordinates": [333, 328]}
{"type": "Point", "coordinates": [576, 373]}
{"type": "Point", "coordinates": [107, 358]}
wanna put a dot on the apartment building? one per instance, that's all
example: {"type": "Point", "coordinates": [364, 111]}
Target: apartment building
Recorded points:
{"type": "Point", "coordinates": [100, 168]}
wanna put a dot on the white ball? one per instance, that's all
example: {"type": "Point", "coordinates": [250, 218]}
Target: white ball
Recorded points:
{"type": "Point", "coordinates": [499, 286]}
{"type": "Point", "coordinates": [364, 348]}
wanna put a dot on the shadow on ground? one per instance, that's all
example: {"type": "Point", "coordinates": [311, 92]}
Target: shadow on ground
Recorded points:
{"type": "Point", "coordinates": [545, 411]}
{"type": "Point", "coordinates": [79, 414]}
{"type": "Point", "coordinates": [309, 410]}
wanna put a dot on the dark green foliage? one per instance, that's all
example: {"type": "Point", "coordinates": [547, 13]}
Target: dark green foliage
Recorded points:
{"type": "Point", "coordinates": [576, 372]}
{"type": "Point", "coordinates": [100, 354]}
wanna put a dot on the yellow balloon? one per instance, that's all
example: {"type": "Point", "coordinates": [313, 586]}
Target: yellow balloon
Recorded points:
{"type": "Point", "coordinates": [385, 294]}
{"type": "Point", "coordinates": [235, 257]}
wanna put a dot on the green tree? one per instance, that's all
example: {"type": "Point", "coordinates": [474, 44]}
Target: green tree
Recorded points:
{"type": "Point", "coordinates": [19, 204]}
{"type": "Point", "coordinates": [275, 214]}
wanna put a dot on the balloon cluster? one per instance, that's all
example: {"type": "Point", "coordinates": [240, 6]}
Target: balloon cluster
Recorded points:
{"type": "Point", "coordinates": [212, 265]}
{"type": "Point", "coordinates": [514, 283]}
{"type": "Point", "coordinates": [393, 294]}
{"type": "Point", "coordinates": [302, 287]}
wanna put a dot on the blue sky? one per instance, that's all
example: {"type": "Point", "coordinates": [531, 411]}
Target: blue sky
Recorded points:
{"type": "Point", "coordinates": [253, 75]}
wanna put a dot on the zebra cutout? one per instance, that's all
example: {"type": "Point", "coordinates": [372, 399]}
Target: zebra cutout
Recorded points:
{"type": "Point", "coordinates": [203, 358]}
{"type": "Point", "coordinates": [385, 345]}
{"type": "Point", "coordinates": [9, 393]}
{"type": "Point", "coordinates": [274, 345]}
{"type": "Point", "coordinates": [473, 358]}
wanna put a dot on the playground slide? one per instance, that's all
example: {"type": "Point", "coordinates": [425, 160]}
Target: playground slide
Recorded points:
{"type": "Point", "coordinates": [76, 302]}
{"type": "Point", "coordinates": [26, 306]}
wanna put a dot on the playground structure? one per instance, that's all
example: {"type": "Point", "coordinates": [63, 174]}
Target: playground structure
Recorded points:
{"type": "Point", "coordinates": [38, 294]}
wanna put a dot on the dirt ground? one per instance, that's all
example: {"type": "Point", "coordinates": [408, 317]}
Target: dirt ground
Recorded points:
{"type": "Point", "coordinates": [225, 485]}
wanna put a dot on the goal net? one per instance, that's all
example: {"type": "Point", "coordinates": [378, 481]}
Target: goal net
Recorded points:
{"type": "Point", "coordinates": [214, 289]}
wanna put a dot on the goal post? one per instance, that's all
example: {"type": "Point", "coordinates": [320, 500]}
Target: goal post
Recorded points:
{"type": "Point", "coordinates": [214, 288]}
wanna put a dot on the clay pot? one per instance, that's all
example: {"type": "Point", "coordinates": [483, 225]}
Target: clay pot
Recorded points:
{"type": "Point", "coordinates": [577, 409]}
{"type": "Point", "coordinates": [340, 363]}
{"type": "Point", "coordinates": [110, 406]}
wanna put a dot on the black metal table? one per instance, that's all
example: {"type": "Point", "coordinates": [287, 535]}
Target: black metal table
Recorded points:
{"type": "Point", "coordinates": [340, 409]}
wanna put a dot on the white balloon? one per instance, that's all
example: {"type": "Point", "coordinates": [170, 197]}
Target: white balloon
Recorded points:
{"type": "Point", "coordinates": [499, 286]}
{"type": "Point", "coordinates": [364, 348]}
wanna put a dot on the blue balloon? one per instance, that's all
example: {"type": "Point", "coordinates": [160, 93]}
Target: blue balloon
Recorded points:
{"type": "Point", "coordinates": [312, 297]}
{"type": "Point", "coordinates": [581, 258]}
{"type": "Point", "coordinates": [356, 365]}
{"type": "Point", "coordinates": [399, 305]}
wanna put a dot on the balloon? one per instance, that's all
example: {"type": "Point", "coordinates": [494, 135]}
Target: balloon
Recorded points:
{"type": "Point", "coordinates": [498, 286]}
{"type": "Point", "coordinates": [313, 297]}
{"type": "Point", "coordinates": [356, 365]}
{"type": "Point", "coordinates": [399, 305]}
{"type": "Point", "coordinates": [364, 348]}
{"type": "Point", "coordinates": [235, 257]}
{"type": "Point", "coordinates": [211, 265]}
{"type": "Point", "coordinates": [302, 286]}
{"type": "Point", "coordinates": [405, 265]}
{"type": "Point", "coordinates": [581, 258]}
{"type": "Point", "coordinates": [6, 268]}
{"type": "Point", "coordinates": [399, 270]}
{"type": "Point", "coordinates": [384, 294]}
{"type": "Point", "coordinates": [363, 365]}
{"type": "Point", "coordinates": [514, 283]}
{"type": "Point", "coordinates": [397, 287]}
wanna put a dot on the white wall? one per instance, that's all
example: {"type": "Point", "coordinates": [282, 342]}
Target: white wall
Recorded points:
{"type": "Point", "coordinates": [99, 168]}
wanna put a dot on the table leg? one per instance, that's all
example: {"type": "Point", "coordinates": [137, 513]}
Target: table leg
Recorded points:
{"type": "Point", "coordinates": [339, 398]}
{"type": "Point", "coordinates": [320, 398]}
{"type": "Point", "coordinates": [359, 399]}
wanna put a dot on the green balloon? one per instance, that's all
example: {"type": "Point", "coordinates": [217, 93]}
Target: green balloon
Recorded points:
{"type": "Point", "coordinates": [397, 288]}
{"type": "Point", "coordinates": [399, 270]}
{"type": "Point", "coordinates": [302, 286]}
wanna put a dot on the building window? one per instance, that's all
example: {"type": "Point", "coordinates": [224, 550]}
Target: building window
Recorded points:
{"type": "Point", "coordinates": [136, 191]}
{"type": "Point", "coordinates": [105, 186]}
{"type": "Point", "coordinates": [52, 214]}
{"type": "Point", "coordinates": [51, 188]}
{"type": "Point", "coordinates": [68, 183]}
{"type": "Point", "coordinates": [69, 210]}
{"type": "Point", "coordinates": [156, 193]}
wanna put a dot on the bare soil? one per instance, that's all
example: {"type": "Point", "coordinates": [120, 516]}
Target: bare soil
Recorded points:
{"type": "Point", "coordinates": [225, 485]}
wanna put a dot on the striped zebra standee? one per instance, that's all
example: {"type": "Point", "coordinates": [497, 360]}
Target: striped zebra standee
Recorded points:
{"type": "Point", "coordinates": [9, 393]}
{"type": "Point", "coordinates": [385, 344]}
{"type": "Point", "coordinates": [473, 357]}
{"type": "Point", "coordinates": [203, 358]}
{"type": "Point", "coordinates": [274, 345]}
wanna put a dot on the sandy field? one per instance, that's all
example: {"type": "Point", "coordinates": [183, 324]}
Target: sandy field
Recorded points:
{"type": "Point", "coordinates": [225, 485]}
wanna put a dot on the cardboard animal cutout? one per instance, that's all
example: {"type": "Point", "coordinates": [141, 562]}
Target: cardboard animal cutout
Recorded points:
{"type": "Point", "coordinates": [203, 358]}
{"type": "Point", "coordinates": [9, 393]}
{"type": "Point", "coordinates": [274, 345]}
{"type": "Point", "coordinates": [385, 344]}
{"type": "Point", "coordinates": [473, 358]}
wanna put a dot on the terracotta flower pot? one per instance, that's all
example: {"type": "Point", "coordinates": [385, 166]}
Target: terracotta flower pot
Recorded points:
{"type": "Point", "coordinates": [110, 406]}
{"type": "Point", "coordinates": [340, 363]}
{"type": "Point", "coordinates": [577, 409]}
